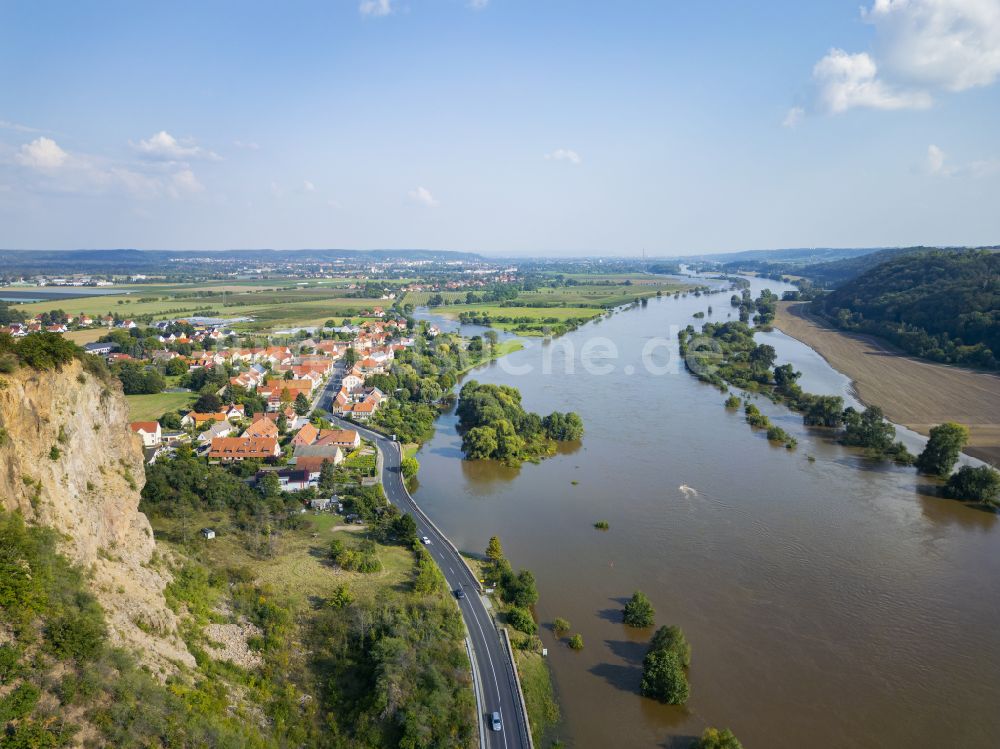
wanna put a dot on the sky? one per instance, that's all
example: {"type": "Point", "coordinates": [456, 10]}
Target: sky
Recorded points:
{"type": "Point", "coordinates": [507, 127]}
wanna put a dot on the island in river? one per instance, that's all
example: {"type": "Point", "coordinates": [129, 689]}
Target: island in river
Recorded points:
{"type": "Point", "coordinates": [915, 393]}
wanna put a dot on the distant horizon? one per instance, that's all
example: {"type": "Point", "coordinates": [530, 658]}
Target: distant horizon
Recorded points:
{"type": "Point", "coordinates": [537, 254]}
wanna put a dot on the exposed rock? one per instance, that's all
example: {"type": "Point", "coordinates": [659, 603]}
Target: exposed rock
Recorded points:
{"type": "Point", "coordinates": [69, 461]}
{"type": "Point", "coordinates": [229, 643]}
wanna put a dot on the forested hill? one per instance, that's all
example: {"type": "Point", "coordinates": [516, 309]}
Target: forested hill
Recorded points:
{"type": "Point", "coordinates": [941, 305]}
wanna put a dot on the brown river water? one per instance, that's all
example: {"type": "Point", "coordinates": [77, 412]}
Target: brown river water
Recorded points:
{"type": "Point", "coordinates": [830, 603]}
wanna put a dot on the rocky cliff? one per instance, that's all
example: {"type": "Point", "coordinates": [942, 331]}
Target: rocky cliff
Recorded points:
{"type": "Point", "coordinates": [69, 461]}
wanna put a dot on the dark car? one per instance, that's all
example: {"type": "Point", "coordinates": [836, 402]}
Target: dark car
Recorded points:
{"type": "Point", "coordinates": [459, 594]}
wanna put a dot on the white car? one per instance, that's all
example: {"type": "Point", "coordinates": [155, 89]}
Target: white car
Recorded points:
{"type": "Point", "coordinates": [425, 541]}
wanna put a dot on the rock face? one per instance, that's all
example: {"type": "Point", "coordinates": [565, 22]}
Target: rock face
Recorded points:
{"type": "Point", "coordinates": [69, 461]}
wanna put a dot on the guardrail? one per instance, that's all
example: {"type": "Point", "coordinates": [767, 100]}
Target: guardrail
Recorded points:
{"type": "Point", "coordinates": [478, 691]}
{"type": "Point", "coordinates": [523, 722]}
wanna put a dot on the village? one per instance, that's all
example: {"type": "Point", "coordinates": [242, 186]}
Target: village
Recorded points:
{"type": "Point", "coordinates": [263, 417]}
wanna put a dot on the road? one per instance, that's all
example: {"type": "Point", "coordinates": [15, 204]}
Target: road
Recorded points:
{"type": "Point", "coordinates": [496, 672]}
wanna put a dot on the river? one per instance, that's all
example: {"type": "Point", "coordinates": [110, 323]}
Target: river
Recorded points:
{"type": "Point", "coordinates": [830, 603]}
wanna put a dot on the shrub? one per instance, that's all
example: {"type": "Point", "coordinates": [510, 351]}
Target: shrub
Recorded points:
{"type": "Point", "coordinates": [54, 453]}
{"type": "Point", "coordinates": [732, 402]}
{"type": "Point", "coordinates": [639, 611]}
{"type": "Point", "coordinates": [522, 620]}
{"type": "Point", "coordinates": [576, 642]}
{"type": "Point", "coordinates": [713, 738]}
{"type": "Point", "coordinates": [602, 525]}
{"type": "Point", "coordinates": [18, 703]}
{"type": "Point", "coordinates": [560, 625]}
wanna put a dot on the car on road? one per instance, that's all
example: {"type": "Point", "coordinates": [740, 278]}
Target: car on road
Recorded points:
{"type": "Point", "coordinates": [425, 541]}
{"type": "Point", "coordinates": [459, 594]}
{"type": "Point", "coordinates": [495, 722]}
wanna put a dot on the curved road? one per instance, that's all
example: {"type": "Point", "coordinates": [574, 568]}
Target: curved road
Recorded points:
{"type": "Point", "coordinates": [496, 672]}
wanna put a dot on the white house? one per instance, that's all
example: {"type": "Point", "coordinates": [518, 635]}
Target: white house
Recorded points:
{"type": "Point", "coordinates": [149, 431]}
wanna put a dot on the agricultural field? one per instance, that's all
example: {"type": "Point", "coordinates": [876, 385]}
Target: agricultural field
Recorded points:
{"type": "Point", "coordinates": [270, 306]}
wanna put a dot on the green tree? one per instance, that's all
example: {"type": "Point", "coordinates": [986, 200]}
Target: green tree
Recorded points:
{"type": "Point", "coordinates": [639, 611]}
{"type": "Point", "coordinates": [560, 626]}
{"type": "Point", "coordinates": [979, 484]}
{"type": "Point", "coordinates": [409, 467]}
{"type": "Point", "coordinates": [494, 551]}
{"type": "Point", "coordinates": [301, 404]}
{"type": "Point", "coordinates": [576, 642]}
{"type": "Point", "coordinates": [868, 429]}
{"type": "Point", "coordinates": [269, 485]}
{"type": "Point", "coordinates": [672, 640]}
{"type": "Point", "coordinates": [208, 403]}
{"type": "Point", "coordinates": [480, 443]}
{"type": "Point", "coordinates": [943, 446]}
{"type": "Point", "coordinates": [663, 678]}
{"type": "Point", "coordinates": [713, 738]}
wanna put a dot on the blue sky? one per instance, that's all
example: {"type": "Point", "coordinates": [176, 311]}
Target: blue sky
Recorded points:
{"type": "Point", "coordinates": [500, 126]}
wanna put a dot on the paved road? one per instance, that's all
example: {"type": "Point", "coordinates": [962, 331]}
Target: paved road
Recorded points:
{"type": "Point", "coordinates": [495, 669]}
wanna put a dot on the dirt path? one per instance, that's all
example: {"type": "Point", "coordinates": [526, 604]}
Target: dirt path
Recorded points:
{"type": "Point", "coordinates": [912, 392]}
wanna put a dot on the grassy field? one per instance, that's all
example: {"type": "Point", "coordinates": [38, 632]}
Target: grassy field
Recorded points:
{"type": "Point", "coordinates": [502, 349]}
{"type": "Point", "coordinates": [536, 683]}
{"type": "Point", "coordinates": [152, 407]}
{"type": "Point", "coordinates": [420, 298]}
{"type": "Point", "coordinates": [299, 567]}
{"type": "Point", "coordinates": [80, 337]}
{"type": "Point", "coordinates": [915, 393]}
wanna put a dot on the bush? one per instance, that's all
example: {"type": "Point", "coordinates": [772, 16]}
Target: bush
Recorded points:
{"type": "Point", "coordinates": [713, 738]}
{"type": "Point", "coordinates": [409, 467]}
{"type": "Point", "coordinates": [576, 642]}
{"type": "Point", "coordinates": [560, 625]}
{"type": "Point", "coordinates": [732, 402]}
{"type": "Point", "coordinates": [639, 611]}
{"type": "Point", "coordinates": [18, 703]}
{"type": "Point", "coordinates": [522, 620]}
{"type": "Point", "coordinates": [602, 525]}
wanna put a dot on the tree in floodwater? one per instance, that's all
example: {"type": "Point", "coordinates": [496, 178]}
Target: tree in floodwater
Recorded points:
{"type": "Point", "coordinates": [639, 611]}
{"type": "Point", "coordinates": [945, 443]}
{"type": "Point", "coordinates": [979, 484]}
{"type": "Point", "coordinates": [713, 738]}
{"type": "Point", "coordinates": [663, 678]}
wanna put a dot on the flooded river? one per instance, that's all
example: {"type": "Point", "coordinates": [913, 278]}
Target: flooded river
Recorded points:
{"type": "Point", "coordinates": [830, 603]}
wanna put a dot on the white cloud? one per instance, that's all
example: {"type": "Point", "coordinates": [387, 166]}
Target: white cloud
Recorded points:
{"type": "Point", "coordinates": [376, 8]}
{"type": "Point", "coordinates": [308, 186]}
{"type": "Point", "coordinates": [794, 117]}
{"type": "Point", "coordinates": [938, 165]}
{"type": "Point", "coordinates": [478, 4]}
{"type": "Point", "coordinates": [18, 127]}
{"type": "Point", "coordinates": [923, 47]}
{"type": "Point", "coordinates": [166, 147]}
{"type": "Point", "coordinates": [948, 44]}
{"type": "Point", "coordinates": [185, 181]}
{"type": "Point", "coordinates": [564, 154]}
{"type": "Point", "coordinates": [935, 160]}
{"type": "Point", "coordinates": [56, 170]}
{"type": "Point", "coordinates": [423, 196]}
{"type": "Point", "coordinates": [247, 145]}
{"type": "Point", "coordinates": [847, 81]}
{"type": "Point", "coordinates": [42, 153]}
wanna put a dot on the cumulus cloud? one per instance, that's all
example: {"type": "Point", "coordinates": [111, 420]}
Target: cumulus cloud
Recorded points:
{"type": "Point", "coordinates": [49, 168]}
{"type": "Point", "coordinates": [564, 154]}
{"type": "Point", "coordinates": [949, 44]}
{"type": "Point", "coordinates": [423, 197]}
{"type": "Point", "coordinates": [938, 164]}
{"type": "Point", "coordinates": [165, 147]}
{"type": "Point", "coordinates": [42, 153]}
{"type": "Point", "coordinates": [793, 117]}
{"type": "Point", "coordinates": [847, 81]}
{"type": "Point", "coordinates": [376, 8]}
{"type": "Point", "coordinates": [922, 47]}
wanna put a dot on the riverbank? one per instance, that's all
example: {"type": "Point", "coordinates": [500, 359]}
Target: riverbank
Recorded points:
{"type": "Point", "coordinates": [915, 393]}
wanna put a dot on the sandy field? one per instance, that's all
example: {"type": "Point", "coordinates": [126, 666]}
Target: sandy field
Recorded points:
{"type": "Point", "coordinates": [915, 393]}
